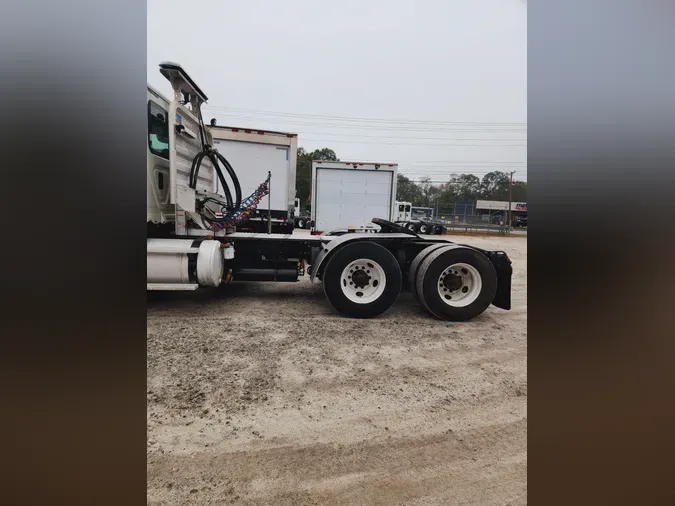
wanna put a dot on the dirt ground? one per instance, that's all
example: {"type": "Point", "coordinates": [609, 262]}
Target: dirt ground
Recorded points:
{"type": "Point", "coordinates": [260, 393]}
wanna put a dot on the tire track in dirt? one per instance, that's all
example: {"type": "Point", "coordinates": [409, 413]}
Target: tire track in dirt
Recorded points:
{"type": "Point", "coordinates": [389, 472]}
{"type": "Point", "coordinates": [260, 394]}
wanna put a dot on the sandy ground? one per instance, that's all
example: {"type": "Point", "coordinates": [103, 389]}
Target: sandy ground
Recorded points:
{"type": "Point", "coordinates": [260, 394]}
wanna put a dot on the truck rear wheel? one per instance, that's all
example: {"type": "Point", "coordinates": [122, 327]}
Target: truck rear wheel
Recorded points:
{"type": "Point", "coordinates": [424, 228]}
{"type": "Point", "coordinates": [412, 227]}
{"type": "Point", "coordinates": [417, 261]}
{"type": "Point", "coordinates": [362, 280]}
{"type": "Point", "coordinates": [456, 284]}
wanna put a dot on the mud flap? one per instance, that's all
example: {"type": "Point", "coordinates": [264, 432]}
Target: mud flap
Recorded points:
{"type": "Point", "coordinates": [502, 265]}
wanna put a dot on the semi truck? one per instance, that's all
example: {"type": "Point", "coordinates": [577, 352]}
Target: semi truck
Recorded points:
{"type": "Point", "coordinates": [193, 242]}
{"type": "Point", "coordinates": [418, 219]}
{"type": "Point", "coordinates": [403, 212]}
{"type": "Point", "coordinates": [351, 193]}
{"type": "Point", "coordinates": [303, 219]}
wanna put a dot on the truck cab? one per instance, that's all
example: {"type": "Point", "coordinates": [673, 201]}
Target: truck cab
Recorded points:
{"type": "Point", "coordinates": [403, 212]}
{"type": "Point", "coordinates": [159, 208]}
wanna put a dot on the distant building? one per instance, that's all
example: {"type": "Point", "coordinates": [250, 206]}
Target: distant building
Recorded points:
{"type": "Point", "coordinates": [487, 209]}
{"type": "Point", "coordinates": [500, 205]}
{"type": "Point", "coordinates": [490, 211]}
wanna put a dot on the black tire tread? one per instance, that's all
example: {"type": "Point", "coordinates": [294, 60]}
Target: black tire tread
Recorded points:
{"type": "Point", "coordinates": [439, 309]}
{"type": "Point", "coordinates": [341, 258]}
{"type": "Point", "coordinates": [414, 266]}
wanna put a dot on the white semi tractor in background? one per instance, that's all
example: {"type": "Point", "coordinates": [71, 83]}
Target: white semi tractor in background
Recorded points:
{"type": "Point", "coordinates": [196, 203]}
{"type": "Point", "coordinates": [418, 219]}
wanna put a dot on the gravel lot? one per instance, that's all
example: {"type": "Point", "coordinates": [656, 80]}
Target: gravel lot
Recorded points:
{"type": "Point", "coordinates": [259, 393]}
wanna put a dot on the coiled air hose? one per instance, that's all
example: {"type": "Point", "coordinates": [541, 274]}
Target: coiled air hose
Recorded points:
{"type": "Point", "coordinates": [232, 206]}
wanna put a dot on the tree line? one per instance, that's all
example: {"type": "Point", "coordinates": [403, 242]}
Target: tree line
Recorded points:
{"type": "Point", "coordinates": [425, 193]}
{"type": "Point", "coordinates": [459, 187]}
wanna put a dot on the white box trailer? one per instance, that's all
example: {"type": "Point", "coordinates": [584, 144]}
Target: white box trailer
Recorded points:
{"type": "Point", "coordinates": [351, 194]}
{"type": "Point", "coordinates": [252, 153]}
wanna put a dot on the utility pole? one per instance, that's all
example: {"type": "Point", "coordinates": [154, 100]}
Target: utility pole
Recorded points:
{"type": "Point", "coordinates": [510, 198]}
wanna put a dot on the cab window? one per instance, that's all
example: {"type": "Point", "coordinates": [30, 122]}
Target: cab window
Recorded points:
{"type": "Point", "coordinates": [158, 130]}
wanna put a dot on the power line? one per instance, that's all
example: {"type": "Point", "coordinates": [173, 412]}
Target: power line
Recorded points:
{"type": "Point", "coordinates": [415, 144]}
{"type": "Point", "coordinates": [455, 170]}
{"type": "Point", "coordinates": [410, 137]}
{"type": "Point", "coordinates": [448, 174]}
{"type": "Point", "coordinates": [458, 170]}
{"type": "Point", "coordinates": [421, 180]}
{"type": "Point", "coordinates": [374, 127]}
{"type": "Point", "coordinates": [452, 174]}
{"type": "Point", "coordinates": [435, 162]}
{"type": "Point", "coordinates": [439, 182]}
{"type": "Point", "coordinates": [467, 170]}
{"type": "Point", "coordinates": [362, 119]}
{"type": "Point", "coordinates": [462, 162]}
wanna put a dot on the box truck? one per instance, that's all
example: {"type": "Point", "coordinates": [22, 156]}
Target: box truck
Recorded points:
{"type": "Point", "coordinates": [350, 194]}
{"type": "Point", "coordinates": [255, 152]}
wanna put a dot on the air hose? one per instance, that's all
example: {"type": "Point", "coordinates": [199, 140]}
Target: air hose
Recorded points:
{"type": "Point", "coordinates": [214, 156]}
{"type": "Point", "coordinates": [232, 206]}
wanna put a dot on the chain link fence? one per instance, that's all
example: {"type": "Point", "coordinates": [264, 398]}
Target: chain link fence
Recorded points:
{"type": "Point", "coordinates": [464, 216]}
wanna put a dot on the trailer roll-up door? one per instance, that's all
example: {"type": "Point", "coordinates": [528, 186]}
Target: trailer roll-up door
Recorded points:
{"type": "Point", "coordinates": [345, 196]}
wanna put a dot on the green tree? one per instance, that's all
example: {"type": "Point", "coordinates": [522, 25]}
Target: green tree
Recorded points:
{"type": "Point", "coordinates": [466, 186]}
{"type": "Point", "coordinates": [303, 172]}
{"type": "Point", "coordinates": [519, 192]}
{"type": "Point", "coordinates": [408, 191]}
{"type": "Point", "coordinates": [495, 186]}
{"type": "Point", "coordinates": [325, 154]}
{"type": "Point", "coordinates": [428, 191]}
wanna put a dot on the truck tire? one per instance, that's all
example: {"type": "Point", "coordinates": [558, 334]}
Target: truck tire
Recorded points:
{"type": "Point", "coordinates": [301, 223]}
{"type": "Point", "coordinates": [362, 280]}
{"type": "Point", "coordinates": [456, 284]}
{"type": "Point", "coordinates": [424, 228]}
{"type": "Point", "coordinates": [412, 227]}
{"type": "Point", "coordinates": [435, 229]}
{"type": "Point", "coordinates": [415, 264]}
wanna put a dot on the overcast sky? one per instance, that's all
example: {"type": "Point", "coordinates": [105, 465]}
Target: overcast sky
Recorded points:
{"type": "Point", "coordinates": [439, 86]}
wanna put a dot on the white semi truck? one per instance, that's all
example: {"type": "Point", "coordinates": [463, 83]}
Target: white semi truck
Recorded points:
{"type": "Point", "coordinates": [192, 238]}
{"type": "Point", "coordinates": [418, 219]}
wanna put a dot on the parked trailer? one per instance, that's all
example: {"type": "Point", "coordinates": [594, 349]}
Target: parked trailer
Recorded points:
{"type": "Point", "coordinates": [262, 151]}
{"type": "Point", "coordinates": [192, 242]}
{"type": "Point", "coordinates": [351, 193]}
